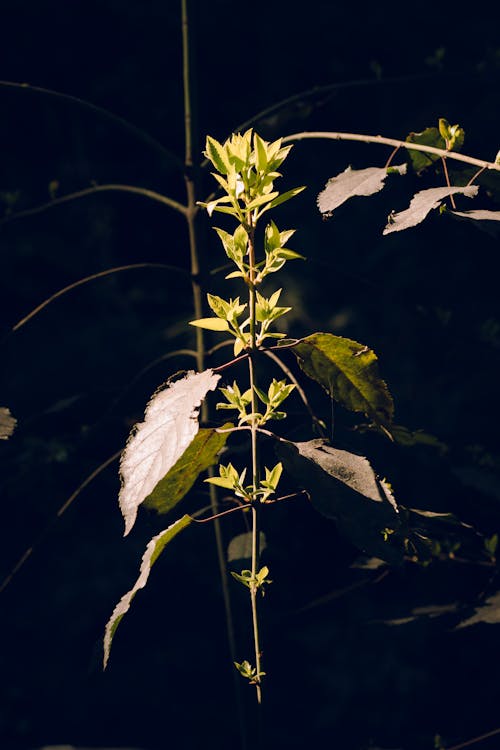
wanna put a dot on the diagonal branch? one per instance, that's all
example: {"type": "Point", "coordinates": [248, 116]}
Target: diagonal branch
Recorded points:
{"type": "Point", "coordinates": [152, 194]}
{"type": "Point", "coordinates": [101, 112]}
{"type": "Point", "coordinates": [98, 275]}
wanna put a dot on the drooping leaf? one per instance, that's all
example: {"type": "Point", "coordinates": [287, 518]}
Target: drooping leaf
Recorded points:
{"type": "Point", "coordinates": [428, 137]}
{"type": "Point", "coordinates": [348, 371]}
{"type": "Point", "coordinates": [344, 487]}
{"type": "Point", "coordinates": [155, 445]}
{"type": "Point", "coordinates": [201, 453]}
{"type": "Point", "coordinates": [240, 546]}
{"type": "Point", "coordinates": [425, 612]}
{"type": "Point", "coordinates": [151, 555]}
{"type": "Point", "coordinates": [488, 221]}
{"type": "Point", "coordinates": [422, 203]}
{"type": "Point", "coordinates": [488, 612]}
{"type": "Point", "coordinates": [7, 423]}
{"type": "Point", "coordinates": [353, 182]}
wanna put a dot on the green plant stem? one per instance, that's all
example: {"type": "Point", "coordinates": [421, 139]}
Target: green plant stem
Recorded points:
{"type": "Point", "coordinates": [390, 142]}
{"type": "Point", "coordinates": [191, 216]}
{"type": "Point", "coordinates": [255, 457]}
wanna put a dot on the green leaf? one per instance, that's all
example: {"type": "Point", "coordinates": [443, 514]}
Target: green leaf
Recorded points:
{"type": "Point", "coordinates": [217, 155]}
{"type": "Point", "coordinates": [260, 200]}
{"type": "Point", "coordinates": [286, 196]}
{"type": "Point", "coordinates": [198, 456]}
{"type": "Point", "coordinates": [344, 487]}
{"type": "Point", "coordinates": [240, 546]}
{"type": "Point", "coordinates": [428, 137]}
{"type": "Point", "coordinates": [211, 324]}
{"type": "Point", "coordinates": [348, 371]}
{"type": "Point", "coordinates": [151, 555]}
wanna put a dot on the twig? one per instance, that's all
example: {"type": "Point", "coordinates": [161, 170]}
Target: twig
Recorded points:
{"type": "Point", "coordinates": [390, 142]}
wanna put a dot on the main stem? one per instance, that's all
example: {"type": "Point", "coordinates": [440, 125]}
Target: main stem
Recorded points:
{"type": "Point", "coordinates": [255, 461]}
{"type": "Point", "coordinates": [191, 213]}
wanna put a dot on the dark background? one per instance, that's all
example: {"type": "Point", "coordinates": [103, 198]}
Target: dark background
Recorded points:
{"type": "Point", "coordinates": [425, 300]}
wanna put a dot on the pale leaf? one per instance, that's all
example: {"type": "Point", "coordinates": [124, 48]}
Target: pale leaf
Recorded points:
{"type": "Point", "coordinates": [353, 182]}
{"type": "Point", "coordinates": [422, 203]}
{"type": "Point", "coordinates": [155, 445]}
{"type": "Point", "coordinates": [7, 423]}
{"type": "Point", "coordinates": [151, 555]}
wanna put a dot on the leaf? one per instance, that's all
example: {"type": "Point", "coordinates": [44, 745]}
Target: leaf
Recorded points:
{"type": "Point", "coordinates": [482, 218]}
{"type": "Point", "coordinates": [488, 612]}
{"type": "Point", "coordinates": [343, 486]}
{"type": "Point", "coordinates": [240, 546]}
{"type": "Point", "coordinates": [428, 137]}
{"type": "Point", "coordinates": [155, 445]}
{"type": "Point", "coordinates": [151, 555]}
{"type": "Point", "coordinates": [423, 202]}
{"type": "Point", "coordinates": [7, 423]}
{"type": "Point", "coordinates": [211, 324]}
{"type": "Point", "coordinates": [198, 456]}
{"type": "Point", "coordinates": [353, 182]}
{"type": "Point", "coordinates": [348, 371]}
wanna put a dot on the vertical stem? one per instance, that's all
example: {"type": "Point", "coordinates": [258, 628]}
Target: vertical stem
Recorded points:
{"type": "Point", "coordinates": [189, 129]}
{"type": "Point", "coordinates": [255, 460]}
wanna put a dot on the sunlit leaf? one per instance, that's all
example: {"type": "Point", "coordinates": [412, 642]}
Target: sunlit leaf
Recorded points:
{"type": "Point", "coordinates": [422, 203]}
{"type": "Point", "coordinates": [344, 487]}
{"type": "Point", "coordinates": [211, 324]}
{"type": "Point", "coordinates": [353, 182]}
{"type": "Point", "coordinates": [155, 445]}
{"type": "Point", "coordinates": [488, 221]}
{"type": "Point", "coordinates": [151, 555]}
{"type": "Point", "coordinates": [198, 456]}
{"type": "Point", "coordinates": [348, 371]}
{"type": "Point", "coordinates": [487, 612]}
{"type": "Point", "coordinates": [7, 423]}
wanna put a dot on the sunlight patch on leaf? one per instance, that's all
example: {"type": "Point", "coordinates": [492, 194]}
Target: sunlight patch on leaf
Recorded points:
{"type": "Point", "coordinates": [155, 445]}
{"type": "Point", "coordinates": [421, 204]}
{"type": "Point", "coordinates": [201, 453]}
{"type": "Point", "coordinates": [348, 371]}
{"type": "Point", "coordinates": [488, 612]}
{"type": "Point", "coordinates": [351, 183]}
{"type": "Point", "coordinates": [151, 555]}
{"type": "Point", "coordinates": [343, 486]}
{"type": "Point", "coordinates": [7, 423]}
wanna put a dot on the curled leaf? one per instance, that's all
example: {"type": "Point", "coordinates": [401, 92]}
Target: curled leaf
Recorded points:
{"type": "Point", "coordinates": [421, 204]}
{"type": "Point", "coordinates": [151, 555]}
{"type": "Point", "coordinates": [155, 445]}
{"type": "Point", "coordinates": [353, 182]}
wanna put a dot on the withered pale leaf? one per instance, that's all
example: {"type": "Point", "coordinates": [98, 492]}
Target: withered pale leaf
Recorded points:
{"type": "Point", "coordinates": [351, 183]}
{"type": "Point", "coordinates": [422, 203]}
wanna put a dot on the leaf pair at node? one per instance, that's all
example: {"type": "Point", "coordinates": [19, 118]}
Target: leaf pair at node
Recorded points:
{"type": "Point", "coordinates": [277, 392]}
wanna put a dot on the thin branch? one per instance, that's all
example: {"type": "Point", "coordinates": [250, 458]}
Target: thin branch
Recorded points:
{"type": "Point", "coordinates": [219, 515]}
{"type": "Point", "coordinates": [474, 740]}
{"type": "Point", "coordinates": [93, 276]}
{"type": "Point", "coordinates": [234, 361]}
{"type": "Point", "coordinates": [447, 178]}
{"type": "Point", "coordinates": [390, 142]}
{"type": "Point", "coordinates": [476, 175]}
{"type": "Point", "coordinates": [17, 567]}
{"type": "Point", "coordinates": [104, 113]}
{"type": "Point", "coordinates": [152, 194]}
